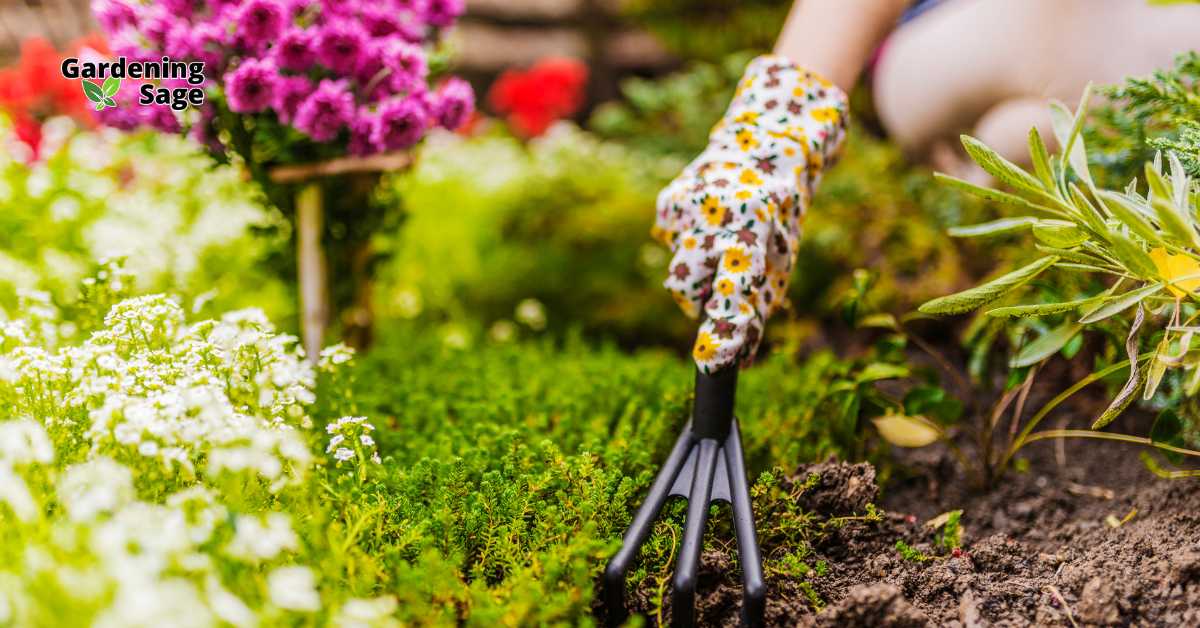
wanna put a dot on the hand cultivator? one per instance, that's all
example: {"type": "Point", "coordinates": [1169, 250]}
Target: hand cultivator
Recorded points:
{"type": "Point", "coordinates": [705, 465]}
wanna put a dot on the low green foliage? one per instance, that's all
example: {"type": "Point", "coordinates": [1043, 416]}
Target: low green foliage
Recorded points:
{"type": "Point", "coordinates": [949, 535]}
{"type": "Point", "coordinates": [910, 553]}
{"type": "Point", "coordinates": [511, 470]}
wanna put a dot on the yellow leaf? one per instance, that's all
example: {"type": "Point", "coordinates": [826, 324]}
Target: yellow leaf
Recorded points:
{"type": "Point", "coordinates": [907, 431]}
{"type": "Point", "coordinates": [1175, 268]}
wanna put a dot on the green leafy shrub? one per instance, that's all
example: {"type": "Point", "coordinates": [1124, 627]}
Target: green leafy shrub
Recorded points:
{"type": "Point", "coordinates": [510, 470]}
{"type": "Point", "coordinates": [1142, 243]}
{"type": "Point", "coordinates": [556, 236]}
{"type": "Point", "coordinates": [1144, 115]}
{"type": "Point", "coordinates": [710, 29]}
{"type": "Point", "coordinates": [673, 114]}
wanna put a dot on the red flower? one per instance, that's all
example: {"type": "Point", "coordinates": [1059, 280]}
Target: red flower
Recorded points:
{"type": "Point", "coordinates": [34, 89]}
{"type": "Point", "coordinates": [534, 99]}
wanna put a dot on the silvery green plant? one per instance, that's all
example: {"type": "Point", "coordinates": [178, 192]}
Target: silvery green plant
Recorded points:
{"type": "Point", "coordinates": [1142, 243]}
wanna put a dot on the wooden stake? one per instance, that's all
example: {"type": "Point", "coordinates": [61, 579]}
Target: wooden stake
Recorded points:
{"type": "Point", "coordinates": [311, 266]}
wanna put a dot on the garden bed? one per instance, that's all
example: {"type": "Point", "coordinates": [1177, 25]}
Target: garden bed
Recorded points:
{"type": "Point", "coordinates": [1040, 549]}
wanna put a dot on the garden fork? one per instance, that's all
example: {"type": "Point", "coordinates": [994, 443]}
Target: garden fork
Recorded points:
{"type": "Point", "coordinates": [705, 465]}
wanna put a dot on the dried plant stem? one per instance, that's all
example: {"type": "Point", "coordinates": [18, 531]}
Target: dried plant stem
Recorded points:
{"type": "Point", "coordinates": [1023, 437]}
{"type": "Point", "coordinates": [1124, 438]}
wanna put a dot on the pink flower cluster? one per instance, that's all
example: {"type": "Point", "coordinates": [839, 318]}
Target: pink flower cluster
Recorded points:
{"type": "Point", "coordinates": [335, 70]}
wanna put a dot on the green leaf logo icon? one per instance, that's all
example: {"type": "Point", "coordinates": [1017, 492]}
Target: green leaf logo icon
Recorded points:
{"type": "Point", "coordinates": [111, 86]}
{"type": "Point", "coordinates": [102, 96]}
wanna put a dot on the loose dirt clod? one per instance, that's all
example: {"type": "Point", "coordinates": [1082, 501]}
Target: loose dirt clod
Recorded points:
{"type": "Point", "coordinates": [878, 605]}
{"type": "Point", "coordinates": [842, 489]}
{"type": "Point", "coordinates": [1038, 551]}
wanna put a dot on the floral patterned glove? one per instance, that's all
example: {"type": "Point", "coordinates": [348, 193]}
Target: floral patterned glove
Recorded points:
{"type": "Point", "coordinates": [733, 216]}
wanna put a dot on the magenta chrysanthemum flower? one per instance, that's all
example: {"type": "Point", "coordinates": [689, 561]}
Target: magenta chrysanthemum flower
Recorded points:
{"type": "Point", "coordinates": [323, 114]}
{"type": "Point", "coordinates": [380, 21]}
{"type": "Point", "coordinates": [295, 50]}
{"type": "Point", "coordinates": [290, 92]}
{"type": "Point", "coordinates": [260, 22]}
{"type": "Point", "coordinates": [443, 12]}
{"type": "Point", "coordinates": [250, 88]}
{"type": "Point", "coordinates": [361, 128]}
{"type": "Point", "coordinates": [406, 62]}
{"type": "Point", "coordinates": [156, 23]}
{"type": "Point", "coordinates": [160, 118]}
{"type": "Point", "coordinates": [453, 103]}
{"type": "Point", "coordinates": [114, 15]}
{"type": "Point", "coordinates": [400, 123]}
{"type": "Point", "coordinates": [339, 45]}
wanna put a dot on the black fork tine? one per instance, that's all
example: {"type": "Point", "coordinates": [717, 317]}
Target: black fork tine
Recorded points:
{"type": "Point", "coordinates": [709, 444]}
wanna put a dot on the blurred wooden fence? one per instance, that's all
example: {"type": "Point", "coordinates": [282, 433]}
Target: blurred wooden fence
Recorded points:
{"type": "Point", "coordinates": [60, 21]}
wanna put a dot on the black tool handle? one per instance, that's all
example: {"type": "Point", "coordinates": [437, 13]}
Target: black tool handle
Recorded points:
{"type": "Point", "coordinates": [712, 415]}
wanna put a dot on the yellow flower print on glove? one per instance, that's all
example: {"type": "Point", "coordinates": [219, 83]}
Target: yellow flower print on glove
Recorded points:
{"type": "Point", "coordinates": [733, 216]}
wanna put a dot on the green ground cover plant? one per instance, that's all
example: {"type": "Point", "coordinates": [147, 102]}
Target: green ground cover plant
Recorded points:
{"type": "Point", "coordinates": [512, 468]}
{"type": "Point", "coordinates": [423, 483]}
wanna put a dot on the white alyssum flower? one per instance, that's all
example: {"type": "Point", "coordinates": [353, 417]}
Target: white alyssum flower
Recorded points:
{"type": "Point", "coordinates": [228, 607]}
{"type": "Point", "coordinates": [333, 356]}
{"type": "Point", "coordinates": [348, 436]}
{"type": "Point", "coordinates": [15, 492]}
{"type": "Point", "coordinates": [294, 588]}
{"type": "Point", "coordinates": [97, 486]}
{"type": "Point", "coordinates": [368, 613]}
{"type": "Point", "coordinates": [171, 602]}
{"type": "Point", "coordinates": [258, 539]}
{"type": "Point", "coordinates": [24, 441]}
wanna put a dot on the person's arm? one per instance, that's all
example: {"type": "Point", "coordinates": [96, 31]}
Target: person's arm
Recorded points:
{"type": "Point", "coordinates": [835, 38]}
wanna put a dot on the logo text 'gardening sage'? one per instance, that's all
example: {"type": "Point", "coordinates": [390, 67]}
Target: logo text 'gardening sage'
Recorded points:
{"type": "Point", "coordinates": [111, 73]}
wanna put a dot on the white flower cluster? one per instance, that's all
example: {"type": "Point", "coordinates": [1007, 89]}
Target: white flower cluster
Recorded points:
{"type": "Point", "coordinates": [153, 459]}
{"type": "Point", "coordinates": [220, 395]}
{"type": "Point", "coordinates": [350, 438]}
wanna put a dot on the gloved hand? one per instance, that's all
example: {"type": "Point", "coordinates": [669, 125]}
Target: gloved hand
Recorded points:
{"type": "Point", "coordinates": [733, 216]}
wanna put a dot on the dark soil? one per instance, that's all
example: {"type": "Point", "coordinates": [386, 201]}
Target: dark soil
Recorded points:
{"type": "Point", "coordinates": [1045, 547]}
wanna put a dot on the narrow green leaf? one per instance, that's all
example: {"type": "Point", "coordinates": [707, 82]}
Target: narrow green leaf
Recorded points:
{"type": "Point", "coordinates": [992, 195]}
{"type": "Point", "coordinates": [992, 228]}
{"type": "Point", "coordinates": [999, 167]}
{"type": "Point", "coordinates": [1176, 222]}
{"type": "Point", "coordinates": [1130, 215]}
{"type": "Point", "coordinates": [1046, 345]}
{"type": "Point", "coordinates": [1059, 233]}
{"type": "Point", "coordinates": [1118, 304]}
{"type": "Point", "coordinates": [1158, 185]}
{"type": "Point", "coordinates": [1128, 392]}
{"type": "Point", "coordinates": [1067, 128]}
{"type": "Point", "coordinates": [881, 370]}
{"type": "Point", "coordinates": [978, 296]}
{"type": "Point", "coordinates": [1092, 218]}
{"type": "Point", "coordinates": [1179, 178]}
{"type": "Point", "coordinates": [1157, 367]}
{"type": "Point", "coordinates": [1071, 255]}
{"type": "Point", "coordinates": [1040, 309]}
{"type": "Point", "coordinates": [1131, 255]}
{"type": "Point", "coordinates": [1041, 159]}
{"type": "Point", "coordinates": [111, 86]}
{"type": "Point", "coordinates": [93, 91]}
